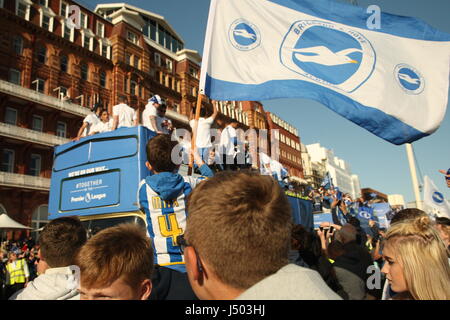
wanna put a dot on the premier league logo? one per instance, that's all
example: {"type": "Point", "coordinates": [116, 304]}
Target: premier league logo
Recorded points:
{"type": "Point", "coordinates": [328, 54]}
{"type": "Point", "coordinates": [409, 79]}
{"type": "Point", "coordinates": [438, 197]}
{"type": "Point", "coordinates": [244, 35]}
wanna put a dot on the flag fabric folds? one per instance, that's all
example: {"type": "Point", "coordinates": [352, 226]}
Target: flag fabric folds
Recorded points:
{"type": "Point", "coordinates": [434, 200]}
{"type": "Point", "coordinates": [392, 81]}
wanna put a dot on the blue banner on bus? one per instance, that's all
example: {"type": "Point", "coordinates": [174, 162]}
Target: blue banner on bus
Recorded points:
{"type": "Point", "coordinates": [99, 174]}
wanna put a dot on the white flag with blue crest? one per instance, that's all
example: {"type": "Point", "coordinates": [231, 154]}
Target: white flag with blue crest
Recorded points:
{"type": "Point", "coordinates": [434, 200]}
{"type": "Point", "coordinates": [392, 81]}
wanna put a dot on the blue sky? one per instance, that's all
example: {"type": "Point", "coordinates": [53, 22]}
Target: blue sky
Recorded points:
{"type": "Point", "coordinates": [379, 164]}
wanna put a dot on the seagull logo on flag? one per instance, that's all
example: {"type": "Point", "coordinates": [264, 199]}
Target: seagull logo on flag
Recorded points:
{"type": "Point", "coordinates": [438, 197]}
{"type": "Point", "coordinates": [408, 78]}
{"type": "Point", "coordinates": [324, 56]}
{"type": "Point", "coordinates": [244, 33]}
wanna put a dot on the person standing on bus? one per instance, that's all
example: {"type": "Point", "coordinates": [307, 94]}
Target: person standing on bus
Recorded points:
{"type": "Point", "coordinates": [90, 121]}
{"type": "Point", "coordinates": [150, 117]}
{"type": "Point", "coordinates": [124, 115]}
{"type": "Point", "coordinates": [162, 196]}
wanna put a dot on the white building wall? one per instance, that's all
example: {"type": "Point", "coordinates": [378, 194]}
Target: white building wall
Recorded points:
{"type": "Point", "coordinates": [338, 168]}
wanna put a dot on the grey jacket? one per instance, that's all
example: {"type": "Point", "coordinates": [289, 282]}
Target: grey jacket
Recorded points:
{"type": "Point", "coordinates": [290, 283]}
{"type": "Point", "coordinates": [54, 284]}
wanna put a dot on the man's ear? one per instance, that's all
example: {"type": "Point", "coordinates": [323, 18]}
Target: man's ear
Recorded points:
{"type": "Point", "coordinates": [192, 264]}
{"type": "Point", "coordinates": [146, 289]}
{"type": "Point", "coordinates": [148, 165]}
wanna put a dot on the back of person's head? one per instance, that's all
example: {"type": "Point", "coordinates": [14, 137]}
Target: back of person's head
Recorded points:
{"type": "Point", "coordinates": [159, 153]}
{"type": "Point", "coordinates": [423, 256]}
{"type": "Point", "coordinates": [335, 249]}
{"type": "Point", "coordinates": [346, 234]}
{"type": "Point", "coordinates": [354, 222]}
{"type": "Point", "coordinates": [410, 213]}
{"type": "Point", "coordinates": [239, 223]}
{"type": "Point", "coordinates": [443, 226]}
{"type": "Point", "coordinates": [123, 99]}
{"type": "Point", "coordinates": [121, 252]}
{"type": "Point", "coordinates": [203, 112]}
{"type": "Point", "coordinates": [60, 240]}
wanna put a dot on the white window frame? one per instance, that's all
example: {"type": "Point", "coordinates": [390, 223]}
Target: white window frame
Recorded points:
{"type": "Point", "coordinates": [38, 220]}
{"type": "Point", "coordinates": [102, 27]}
{"type": "Point", "coordinates": [101, 43]}
{"type": "Point", "coordinates": [84, 22]}
{"type": "Point", "coordinates": [66, 15]}
{"type": "Point", "coordinates": [136, 89]}
{"type": "Point", "coordinates": [72, 31]}
{"type": "Point", "coordinates": [65, 129]}
{"type": "Point", "coordinates": [15, 115]}
{"type": "Point", "coordinates": [21, 44]}
{"type": "Point", "coordinates": [10, 163]}
{"type": "Point", "coordinates": [38, 81]}
{"type": "Point", "coordinates": [35, 116]}
{"type": "Point", "coordinates": [157, 59]}
{"type": "Point", "coordinates": [26, 3]}
{"type": "Point", "coordinates": [11, 70]}
{"type": "Point", "coordinates": [44, 11]}
{"type": "Point", "coordinates": [132, 37]}
{"type": "Point", "coordinates": [169, 65]}
{"type": "Point", "coordinates": [37, 170]}
{"type": "Point", "coordinates": [87, 33]}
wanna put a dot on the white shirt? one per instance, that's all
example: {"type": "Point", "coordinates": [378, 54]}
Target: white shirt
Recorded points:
{"type": "Point", "coordinates": [226, 140]}
{"type": "Point", "coordinates": [91, 120]}
{"type": "Point", "coordinates": [126, 114]}
{"type": "Point", "coordinates": [149, 111]}
{"type": "Point", "coordinates": [265, 160]}
{"type": "Point", "coordinates": [102, 126]}
{"type": "Point", "coordinates": [203, 131]}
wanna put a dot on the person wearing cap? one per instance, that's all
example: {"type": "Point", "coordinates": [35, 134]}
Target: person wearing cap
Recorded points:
{"type": "Point", "coordinates": [90, 121]}
{"type": "Point", "coordinates": [151, 116]}
{"type": "Point", "coordinates": [124, 115]}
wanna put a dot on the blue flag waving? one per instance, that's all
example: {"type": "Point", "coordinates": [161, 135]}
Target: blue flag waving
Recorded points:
{"type": "Point", "coordinates": [392, 81]}
{"type": "Point", "coordinates": [327, 182]}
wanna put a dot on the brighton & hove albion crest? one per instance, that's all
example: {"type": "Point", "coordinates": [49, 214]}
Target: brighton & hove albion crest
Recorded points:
{"type": "Point", "coordinates": [438, 198]}
{"type": "Point", "coordinates": [409, 79]}
{"type": "Point", "coordinates": [244, 35]}
{"type": "Point", "coordinates": [331, 55]}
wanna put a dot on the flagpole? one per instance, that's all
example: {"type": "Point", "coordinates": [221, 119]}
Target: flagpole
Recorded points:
{"type": "Point", "coordinates": [412, 170]}
{"type": "Point", "coordinates": [194, 132]}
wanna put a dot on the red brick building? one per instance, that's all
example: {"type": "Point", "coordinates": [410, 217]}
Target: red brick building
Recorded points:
{"type": "Point", "coordinates": [290, 155]}
{"type": "Point", "coordinates": [51, 71]}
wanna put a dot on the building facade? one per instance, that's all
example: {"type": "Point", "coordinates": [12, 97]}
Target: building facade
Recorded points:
{"type": "Point", "coordinates": [58, 58]}
{"type": "Point", "coordinates": [286, 137]}
{"type": "Point", "coordinates": [338, 168]}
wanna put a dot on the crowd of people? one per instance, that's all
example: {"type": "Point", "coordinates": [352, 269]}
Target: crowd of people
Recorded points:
{"type": "Point", "coordinates": [232, 245]}
{"type": "Point", "coordinates": [224, 151]}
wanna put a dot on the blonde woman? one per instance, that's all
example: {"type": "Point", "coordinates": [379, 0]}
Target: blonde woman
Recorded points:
{"type": "Point", "coordinates": [416, 261]}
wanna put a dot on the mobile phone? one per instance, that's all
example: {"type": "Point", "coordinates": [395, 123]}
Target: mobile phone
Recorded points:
{"type": "Point", "coordinates": [331, 229]}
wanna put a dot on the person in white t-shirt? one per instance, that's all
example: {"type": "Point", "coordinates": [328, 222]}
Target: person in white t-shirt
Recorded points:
{"type": "Point", "coordinates": [124, 115]}
{"type": "Point", "coordinates": [227, 145]}
{"type": "Point", "coordinates": [265, 160]}
{"type": "Point", "coordinates": [150, 117]}
{"type": "Point", "coordinates": [89, 121]}
{"type": "Point", "coordinates": [203, 139]}
{"type": "Point", "coordinates": [104, 125]}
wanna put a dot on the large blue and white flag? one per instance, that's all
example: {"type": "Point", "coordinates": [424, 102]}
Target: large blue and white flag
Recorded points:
{"type": "Point", "coordinates": [434, 200]}
{"type": "Point", "coordinates": [392, 81]}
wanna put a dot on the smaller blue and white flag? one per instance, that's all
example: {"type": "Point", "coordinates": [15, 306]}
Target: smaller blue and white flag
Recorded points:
{"type": "Point", "coordinates": [327, 182]}
{"type": "Point", "coordinates": [392, 81]}
{"type": "Point", "coordinates": [434, 200]}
